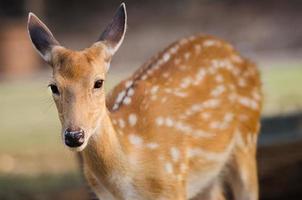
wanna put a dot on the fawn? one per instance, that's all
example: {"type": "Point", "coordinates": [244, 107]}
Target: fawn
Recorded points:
{"type": "Point", "coordinates": [183, 126]}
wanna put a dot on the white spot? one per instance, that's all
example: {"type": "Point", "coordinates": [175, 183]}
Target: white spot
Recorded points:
{"type": "Point", "coordinates": [115, 106]}
{"type": "Point", "coordinates": [241, 82]}
{"type": "Point", "coordinates": [135, 140]}
{"type": "Point", "coordinates": [236, 58]}
{"type": "Point", "coordinates": [256, 95]}
{"type": "Point", "coordinates": [215, 125]}
{"type": "Point", "coordinates": [121, 123]}
{"type": "Point", "coordinates": [152, 145]}
{"type": "Point", "coordinates": [183, 127]}
{"type": "Point", "coordinates": [180, 94]}
{"type": "Point", "coordinates": [175, 154]}
{"type": "Point", "coordinates": [130, 92]}
{"type": "Point", "coordinates": [149, 72]}
{"type": "Point", "coordinates": [209, 43]}
{"type": "Point", "coordinates": [127, 100]}
{"type": "Point", "coordinates": [120, 96]}
{"type": "Point", "coordinates": [169, 122]}
{"type": "Point", "coordinates": [187, 55]}
{"type": "Point", "coordinates": [144, 77]}
{"type": "Point", "coordinates": [250, 103]}
{"type": "Point", "coordinates": [219, 78]}
{"type": "Point", "coordinates": [166, 57]}
{"type": "Point", "coordinates": [209, 155]}
{"type": "Point", "coordinates": [201, 133]}
{"type": "Point", "coordinates": [205, 115]}
{"type": "Point", "coordinates": [132, 119]}
{"type": "Point", "coordinates": [211, 103]}
{"type": "Point", "coordinates": [128, 83]}
{"type": "Point", "coordinates": [199, 76]}
{"type": "Point", "coordinates": [218, 90]}
{"type": "Point", "coordinates": [174, 49]}
{"type": "Point", "coordinates": [239, 140]}
{"type": "Point", "coordinates": [169, 168]}
{"type": "Point", "coordinates": [159, 121]}
{"type": "Point", "coordinates": [235, 71]}
{"type": "Point", "coordinates": [228, 117]}
{"type": "Point", "coordinates": [185, 82]}
{"type": "Point", "coordinates": [192, 152]}
{"type": "Point", "coordinates": [154, 89]}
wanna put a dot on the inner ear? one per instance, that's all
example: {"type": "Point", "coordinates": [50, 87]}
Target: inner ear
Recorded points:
{"type": "Point", "coordinates": [41, 37]}
{"type": "Point", "coordinates": [114, 33]}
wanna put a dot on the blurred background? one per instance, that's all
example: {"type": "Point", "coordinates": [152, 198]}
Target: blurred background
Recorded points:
{"type": "Point", "coordinates": [34, 165]}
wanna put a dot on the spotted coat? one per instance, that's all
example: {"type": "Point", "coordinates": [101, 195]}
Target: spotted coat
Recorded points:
{"type": "Point", "coordinates": [187, 111]}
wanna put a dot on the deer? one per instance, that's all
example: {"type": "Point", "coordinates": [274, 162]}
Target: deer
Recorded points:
{"type": "Point", "coordinates": [183, 126]}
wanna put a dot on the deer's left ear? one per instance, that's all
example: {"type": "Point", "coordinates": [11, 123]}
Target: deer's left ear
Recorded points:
{"type": "Point", "coordinates": [114, 33]}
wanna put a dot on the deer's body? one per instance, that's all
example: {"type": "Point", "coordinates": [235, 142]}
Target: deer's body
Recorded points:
{"type": "Point", "coordinates": [179, 120]}
{"type": "Point", "coordinates": [181, 127]}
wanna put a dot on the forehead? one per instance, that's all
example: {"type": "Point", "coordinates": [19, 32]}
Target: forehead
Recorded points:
{"type": "Point", "coordinates": [79, 65]}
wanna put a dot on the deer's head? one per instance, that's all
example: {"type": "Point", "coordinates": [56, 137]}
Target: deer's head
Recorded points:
{"type": "Point", "coordinates": [78, 77]}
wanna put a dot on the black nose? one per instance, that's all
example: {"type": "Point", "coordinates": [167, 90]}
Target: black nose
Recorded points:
{"type": "Point", "coordinates": [74, 137]}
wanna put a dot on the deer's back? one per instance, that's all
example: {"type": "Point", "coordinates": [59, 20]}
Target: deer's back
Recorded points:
{"type": "Point", "coordinates": [192, 102]}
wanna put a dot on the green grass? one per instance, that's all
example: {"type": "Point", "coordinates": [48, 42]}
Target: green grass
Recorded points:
{"type": "Point", "coordinates": [27, 118]}
{"type": "Point", "coordinates": [282, 87]}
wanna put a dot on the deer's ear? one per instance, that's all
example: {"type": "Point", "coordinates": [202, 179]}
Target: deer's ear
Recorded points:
{"type": "Point", "coordinates": [115, 31]}
{"type": "Point", "coordinates": [41, 37]}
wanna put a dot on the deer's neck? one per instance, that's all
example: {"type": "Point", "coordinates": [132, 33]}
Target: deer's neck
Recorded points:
{"type": "Point", "coordinates": [104, 153]}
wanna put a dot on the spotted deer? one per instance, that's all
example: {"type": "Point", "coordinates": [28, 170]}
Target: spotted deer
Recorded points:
{"type": "Point", "coordinates": [183, 126]}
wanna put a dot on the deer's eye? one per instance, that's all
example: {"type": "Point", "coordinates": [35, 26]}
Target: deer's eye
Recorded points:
{"type": "Point", "coordinates": [54, 89]}
{"type": "Point", "coordinates": [98, 84]}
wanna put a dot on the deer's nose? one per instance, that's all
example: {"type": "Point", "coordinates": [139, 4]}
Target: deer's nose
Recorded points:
{"type": "Point", "coordinates": [74, 137]}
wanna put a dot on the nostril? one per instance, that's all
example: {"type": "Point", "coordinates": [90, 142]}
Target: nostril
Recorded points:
{"type": "Point", "coordinates": [79, 135]}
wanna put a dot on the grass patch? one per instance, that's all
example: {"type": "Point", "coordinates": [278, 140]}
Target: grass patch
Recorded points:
{"type": "Point", "coordinates": [282, 89]}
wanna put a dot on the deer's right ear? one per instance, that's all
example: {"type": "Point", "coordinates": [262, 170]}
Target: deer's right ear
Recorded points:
{"type": "Point", "coordinates": [41, 37]}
